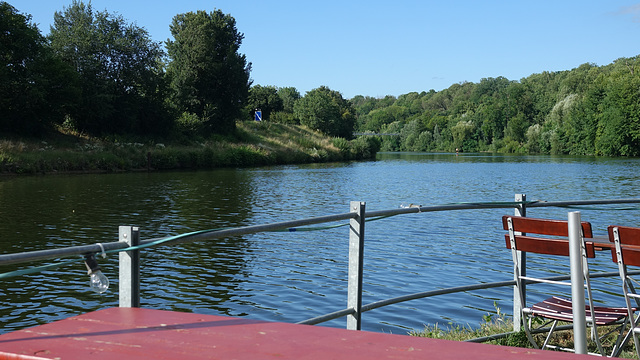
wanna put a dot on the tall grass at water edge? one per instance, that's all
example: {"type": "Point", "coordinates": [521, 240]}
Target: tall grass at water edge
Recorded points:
{"type": "Point", "coordinates": [502, 325]}
{"type": "Point", "coordinates": [253, 144]}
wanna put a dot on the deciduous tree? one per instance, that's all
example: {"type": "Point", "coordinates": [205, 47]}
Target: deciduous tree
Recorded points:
{"type": "Point", "coordinates": [326, 110]}
{"type": "Point", "coordinates": [289, 96]}
{"type": "Point", "coordinates": [119, 67]}
{"type": "Point", "coordinates": [264, 98]}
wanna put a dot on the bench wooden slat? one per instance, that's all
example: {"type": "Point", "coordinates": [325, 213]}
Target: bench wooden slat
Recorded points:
{"type": "Point", "coordinates": [544, 226]}
{"type": "Point", "coordinates": [547, 246]}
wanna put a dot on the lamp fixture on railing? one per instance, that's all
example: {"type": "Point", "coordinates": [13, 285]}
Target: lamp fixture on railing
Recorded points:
{"type": "Point", "coordinates": [98, 281]}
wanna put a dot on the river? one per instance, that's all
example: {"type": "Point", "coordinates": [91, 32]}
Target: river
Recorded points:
{"type": "Point", "coordinates": [294, 276]}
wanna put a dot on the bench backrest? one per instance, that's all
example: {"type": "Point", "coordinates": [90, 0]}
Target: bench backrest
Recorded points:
{"type": "Point", "coordinates": [525, 231]}
{"type": "Point", "coordinates": [630, 244]}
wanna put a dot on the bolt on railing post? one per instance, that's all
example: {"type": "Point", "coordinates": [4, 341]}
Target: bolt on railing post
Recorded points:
{"type": "Point", "coordinates": [520, 210]}
{"type": "Point", "coordinates": [356, 259]}
{"type": "Point", "coordinates": [129, 281]}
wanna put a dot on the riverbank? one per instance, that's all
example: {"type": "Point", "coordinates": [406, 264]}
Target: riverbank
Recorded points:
{"type": "Point", "coordinates": [252, 144]}
{"type": "Point", "coordinates": [497, 328]}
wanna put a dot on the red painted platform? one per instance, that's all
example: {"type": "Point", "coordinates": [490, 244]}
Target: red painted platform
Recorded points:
{"type": "Point", "coordinates": [130, 333]}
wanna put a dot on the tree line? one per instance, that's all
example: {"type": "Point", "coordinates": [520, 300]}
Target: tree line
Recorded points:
{"type": "Point", "coordinates": [97, 74]}
{"type": "Point", "coordinates": [589, 110]}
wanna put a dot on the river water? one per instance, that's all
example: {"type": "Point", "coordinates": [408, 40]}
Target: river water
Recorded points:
{"type": "Point", "coordinates": [294, 276]}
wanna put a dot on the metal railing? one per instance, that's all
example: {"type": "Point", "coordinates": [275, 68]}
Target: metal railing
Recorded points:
{"type": "Point", "coordinates": [130, 245]}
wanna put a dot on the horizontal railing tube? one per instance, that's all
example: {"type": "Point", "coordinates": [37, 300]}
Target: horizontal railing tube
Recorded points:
{"type": "Point", "coordinates": [378, 304]}
{"type": "Point", "coordinates": [582, 202]}
{"type": "Point", "coordinates": [327, 317]}
{"type": "Point", "coordinates": [217, 234]}
{"type": "Point", "coordinates": [506, 205]}
{"type": "Point", "coordinates": [491, 285]}
{"type": "Point", "coordinates": [504, 335]}
{"type": "Point", "coordinates": [420, 209]}
{"type": "Point", "coordinates": [430, 293]}
{"type": "Point", "coordinates": [8, 259]}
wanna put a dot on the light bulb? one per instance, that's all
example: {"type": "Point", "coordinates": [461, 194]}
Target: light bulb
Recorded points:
{"type": "Point", "coordinates": [97, 281]}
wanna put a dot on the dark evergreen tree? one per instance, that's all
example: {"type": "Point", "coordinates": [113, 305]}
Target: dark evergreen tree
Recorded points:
{"type": "Point", "coordinates": [209, 77]}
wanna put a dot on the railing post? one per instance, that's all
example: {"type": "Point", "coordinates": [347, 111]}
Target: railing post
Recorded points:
{"type": "Point", "coordinates": [129, 281]}
{"type": "Point", "coordinates": [521, 210]}
{"type": "Point", "coordinates": [356, 259]}
{"type": "Point", "coordinates": [577, 284]}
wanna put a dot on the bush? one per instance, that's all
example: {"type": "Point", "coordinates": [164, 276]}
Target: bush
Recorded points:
{"type": "Point", "coordinates": [282, 117]}
{"type": "Point", "coordinates": [365, 147]}
{"type": "Point", "coordinates": [189, 123]}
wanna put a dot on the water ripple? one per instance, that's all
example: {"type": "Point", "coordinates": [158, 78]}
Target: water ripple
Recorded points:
{"type": "Point", "coordinates": [294, 276]}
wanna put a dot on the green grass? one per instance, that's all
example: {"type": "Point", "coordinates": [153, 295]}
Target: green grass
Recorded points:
{"type": "Point", "coordinates": [252, 144]}
{"type": "Point", "coordinates": [501, 323]}
{"type": "Point", "coordinates": [492, 324]}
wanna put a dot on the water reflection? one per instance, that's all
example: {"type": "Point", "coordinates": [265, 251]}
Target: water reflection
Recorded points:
{"type": "Point", "coordinates": [49, 212]}
{"type": "Point", "coordinates": [294, 276]}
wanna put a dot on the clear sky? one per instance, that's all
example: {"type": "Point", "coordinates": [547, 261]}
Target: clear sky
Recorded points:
{"type": "Point", "coordinates": [379, 48]}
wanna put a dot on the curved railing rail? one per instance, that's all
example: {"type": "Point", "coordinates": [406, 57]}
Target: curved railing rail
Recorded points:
{"type": "Point", "coordinates": [129, 246]}
{"type": "Point", "coordinates": [444, 291]}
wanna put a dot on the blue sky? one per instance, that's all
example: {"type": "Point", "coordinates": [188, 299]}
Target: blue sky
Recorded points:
{"type": "Point", "coordinates": [379, 48]}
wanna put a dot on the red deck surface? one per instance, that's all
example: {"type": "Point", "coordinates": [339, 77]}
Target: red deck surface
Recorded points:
{"type": "Point", "coordinates": [130, 333]}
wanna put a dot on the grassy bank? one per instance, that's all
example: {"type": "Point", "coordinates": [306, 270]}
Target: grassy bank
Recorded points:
{"type": "Point", "coordinates": [252, 144]}
{"type": "Point", "coordinates": [501, 324]}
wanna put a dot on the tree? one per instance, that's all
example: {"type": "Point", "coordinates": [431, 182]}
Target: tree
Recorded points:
{"type": "Point", "coordinates": [209, 78]}
{"type": "Point", "coordinates": [289, 96]}
{"type": "Point", "coordinates": [461, 131]}
{"type": "Point", "coordinates": [264, 98]}
{"type": "Point", "coordinates": [36, 88]}
{"type": "Point", "coordinates": [119, 67]}
{"type": "Point", "coordinates": [326, 110]}
{"type": "Point", "coordinates": [619, 125]}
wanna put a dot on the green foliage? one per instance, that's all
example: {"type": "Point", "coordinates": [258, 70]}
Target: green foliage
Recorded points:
{"type": "Point", "coordinates": [492, 324]}
{"type": "Point", "coordinates": [364, 147]}
{"type": "Point", "coordinates": [619, 124]}
{"type": "Point", "coordinates": [497, 328]}
{"type": "Point", "coordinates": [119, 71]}
{"type": "Point", "coordinates": [189, 123]}
{"type": "Point", "coordinates": [289, 96]}
{"type": "Point", "coordinates": [97, 74]}
{"type": "Point", "coordinates": [587, 110]}
{"type": "Point", "coordinates": [283, 117]}
{"type": "Point", "coordinates": [341, 143]}
{"type": "Point", "coordinates": [208, 76]}
{"type": "Point", "coordinates": [264, 98]}
{"type": "Point", "coordinates": [327, 111]}
{"type": "Point", "coordinates": [36, 88]}
{"type": "Point", "coordinates": [251, 144]}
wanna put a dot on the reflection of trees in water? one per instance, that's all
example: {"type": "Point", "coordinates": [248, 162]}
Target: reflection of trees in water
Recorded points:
{"type": "Point", "coordinates": [286, 276]}
{"type": "Point", "coordinates": [200, 276]}
{"type": "Point", "coordinates": [55, 211]}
